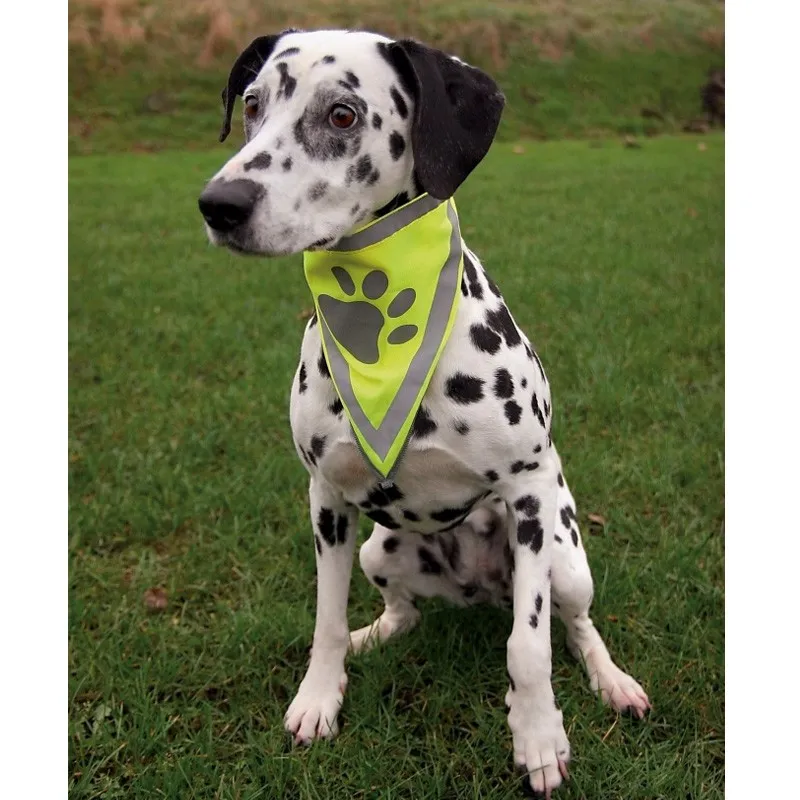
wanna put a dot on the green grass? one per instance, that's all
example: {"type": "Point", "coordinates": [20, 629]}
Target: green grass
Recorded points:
{"type": "Point", "coordinates": [183, 476]}
{"type": "Point", "coordinates": [149, 77]}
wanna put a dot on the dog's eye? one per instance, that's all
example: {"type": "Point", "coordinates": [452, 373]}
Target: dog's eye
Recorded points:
{"type": "Point", "coordinates": [251, 107]}
{"type": "Point", "coordinates": [342, 117]}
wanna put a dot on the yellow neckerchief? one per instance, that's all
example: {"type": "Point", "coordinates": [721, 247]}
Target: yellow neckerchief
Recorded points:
{"type": "Point", "coordinates": [386, 298]}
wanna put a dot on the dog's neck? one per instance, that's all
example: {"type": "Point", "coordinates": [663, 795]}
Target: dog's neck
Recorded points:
{"type": "Point", "coordinates": [410, 191]}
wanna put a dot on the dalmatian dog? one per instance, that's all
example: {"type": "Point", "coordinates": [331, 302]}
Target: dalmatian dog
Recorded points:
{"type": "Point", "coordinates": [342, 127]}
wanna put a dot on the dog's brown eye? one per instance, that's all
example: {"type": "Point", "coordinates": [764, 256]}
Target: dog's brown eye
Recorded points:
{"type": "Point", "coordinates": [342, 116]}
{"type": "Point", "coordinates": [251, 107]}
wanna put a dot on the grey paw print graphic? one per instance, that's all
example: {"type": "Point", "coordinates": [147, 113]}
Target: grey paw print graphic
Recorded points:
{"type": "Point", "coordinates": [357, 323]}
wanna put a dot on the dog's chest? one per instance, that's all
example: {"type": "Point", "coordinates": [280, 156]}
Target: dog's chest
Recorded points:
{"type": "Point", "coordinates": [485, 415]}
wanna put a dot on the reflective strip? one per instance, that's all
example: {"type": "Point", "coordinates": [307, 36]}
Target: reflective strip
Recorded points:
{"type": "Point", "coordinates": [447, 293]}
{"type": "Point", "coordinates": [383, 228]}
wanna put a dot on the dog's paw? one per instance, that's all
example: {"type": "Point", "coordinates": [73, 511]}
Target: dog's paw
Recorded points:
{"type": "Point", "coordinates": [313, 712]}
{"type": "Point", "coordinates": [618, 690]}
{"type": "Point", "coordinates": [541, 747]}
{"type": "Point", "coordinates": [387, 625]}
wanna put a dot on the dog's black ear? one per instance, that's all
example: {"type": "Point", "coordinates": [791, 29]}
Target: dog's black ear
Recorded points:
{"type": "Point", "coordinates": [243, 72]}
{"type": "Point", "coordinates": [457, 111]}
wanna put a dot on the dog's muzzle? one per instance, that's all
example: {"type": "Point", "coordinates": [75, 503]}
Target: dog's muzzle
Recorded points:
{"type": "Point", "coordinates": [225, 205]}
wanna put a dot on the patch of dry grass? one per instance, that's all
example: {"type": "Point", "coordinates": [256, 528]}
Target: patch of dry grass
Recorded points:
{"type": "Point", "coordinates": [208, 29]}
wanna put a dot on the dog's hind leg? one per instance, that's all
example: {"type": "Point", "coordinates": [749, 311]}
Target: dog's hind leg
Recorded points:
{"type": "Point", "coordinates": [386, 560]}
{"type": "Point", "coordinates": [403, 566]}
{"type": "Point", "coordinates": [572, 591]}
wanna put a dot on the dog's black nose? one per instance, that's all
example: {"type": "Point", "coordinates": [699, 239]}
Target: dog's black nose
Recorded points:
{"type": "Point", "coordinates": [227, 204]}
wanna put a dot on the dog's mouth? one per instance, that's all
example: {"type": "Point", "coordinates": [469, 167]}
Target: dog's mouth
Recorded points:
{"type": "Point", "coordinates": [242, 241]}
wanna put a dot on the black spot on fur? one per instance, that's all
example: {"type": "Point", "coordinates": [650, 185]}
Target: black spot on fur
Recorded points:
{"type": "Point", "coordinates": [574, 534]}
{"type": "Point", "coordinates": [484, 338]}
{"type": "Point", "coordinates": [322, 366]}
{"type": "Point", "coordinates": [464, 289]}
{"type": "Point", "coordinates": [381, 497]}
{"type": "Point", "coordinates": [286, 164]}
{"type": "Point", "coordinates": [318, 544]}
{"type": "Point", "coordinates": [325, 525]}
{"type": "Point", "coordinates": [546, 409]}
{"type": "Point", "coordinates": [451, 549]}
{"type": "Point", "coordinates": [493, 287]}
{"type": "Point", "coordinates": [524, 383]}
{"type": "Point", "coordinates": [530, 467]}
{"type": "Point", "coordinates": [352, 79]}
{"type": "Point", "coordinates": [560, 477]}
{"type": "Point", "coordinates": [390, 544]}
{"type": "Point", "coordinates": [491, 475]}
{"type": "Point", "coordinates": [450, 514]}
{"type": "Point", "coordinates": [513, 412]}
{"type": "Point", "coordinates": [535, 358]}
{"type": "Point", "coordinates": [530, 533]}
{"type": "Point", "coordinates": [318, 445]}
{"type": "Point", "coordinates": [464, 389]}
{"type": "Point", "coordinates": [287, 83]}
{"type": "Point", "coordinates": [383, 518]}
{"type": "Point", "coordinates": [330, 148]}
{"type": "Point", "coordinates": [362, 169]}
{"type": "Point", "coordinates": [537, 412]}
{"type": "Point", "coordinates": [428, 563]}
{"type": "Point", "coordinates": [289, 51]}
{"type": "Point", "coordinates": [399, 102]}
{"type": "Point", "coordinates": [261, 161]}
{"type": "Point", "coordinates": [302, 378]}
{"type": "Point", "coordinates": [318, 190]}
{"type": "Point", "coordinates": [472, 275]}
{"type": "Point", "coordinates": [503, 383]}
{"type": "Point", "coordinates": [528, 505]}
{"type": "Point", "coordinates": [397, 201]}
{"type": "Point", "coordinates": [461, 427]}
{"type": "Point", "coordinates": [397, 145]}
{"type": "Point", "coordinates": [336, 407]}
{"type": "Point", "coordinates": [328, 59]}
{"type": "Point", "coordinates": [558, 539]}
{"type": "Point", "coordinates": [537, 449]}
{"type": "Point", "coordinates": [379, 581]}
{"type": "Point", "coordinates": [374, 178]}
{"type": "Point", "coordinates": [410, 515]}
{"type": "Point", "coordinates": [538, 603]}
{"type": "Point", "coordinates": [423, 424]}
{"type": "Point", "coordinates": [341, 528]}
{"type": "Point", "coordinates": [517, 467]}
{"type": "Point", "coordinates": [534, 620]}
{"type": "Point", "coordinates": [377, 121]}
{"type": "Point", "coordinates": [499, 320]}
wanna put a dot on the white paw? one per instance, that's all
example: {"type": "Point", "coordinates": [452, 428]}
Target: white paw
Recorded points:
{"type": "Point", "coordinates": [313, 712]}
{"type": "Point", "coordinates": [620, 691]}
{"type": "Point", "coordinates": [541, 747]}
{"type": "Point", "coordinates": [385, 626]}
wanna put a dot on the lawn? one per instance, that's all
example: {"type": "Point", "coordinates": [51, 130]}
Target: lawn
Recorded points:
{"type": "Point", "coordinates": [184, 479]}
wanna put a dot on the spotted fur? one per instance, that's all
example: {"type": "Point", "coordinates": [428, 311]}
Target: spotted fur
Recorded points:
{"type": "Point", "coordinates": [479, 510]}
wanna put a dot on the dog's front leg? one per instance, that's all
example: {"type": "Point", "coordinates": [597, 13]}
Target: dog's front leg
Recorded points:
{"type": "Point", "coordinates": [314, 709]}
{"type": "Point", "coordinates": [541, 747]}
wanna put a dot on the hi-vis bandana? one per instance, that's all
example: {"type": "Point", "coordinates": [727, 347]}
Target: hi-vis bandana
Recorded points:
{"type": "Point", "coordinates": [386, 299]}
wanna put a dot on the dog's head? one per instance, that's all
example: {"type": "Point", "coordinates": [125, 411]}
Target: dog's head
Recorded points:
{"type": "Point", "coordinates": [340, 127]}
